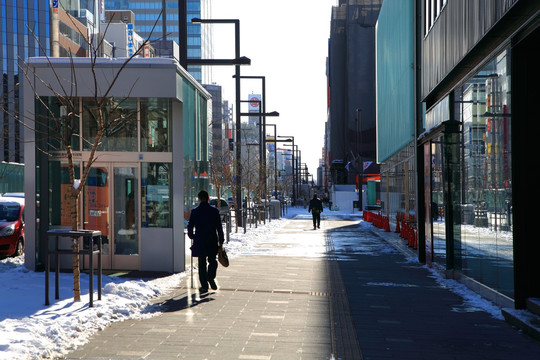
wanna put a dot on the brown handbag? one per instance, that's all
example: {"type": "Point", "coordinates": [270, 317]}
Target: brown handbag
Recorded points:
{"type": "Point", "coordinates": [222, 257]}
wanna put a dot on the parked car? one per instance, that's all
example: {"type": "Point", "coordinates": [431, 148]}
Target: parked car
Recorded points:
{"type": "Point", "coordinates": [11, 226]}
{"type": "Point", "coordinates": [14, 194]}
{"type": "Point", "coordinates": [223, 206]}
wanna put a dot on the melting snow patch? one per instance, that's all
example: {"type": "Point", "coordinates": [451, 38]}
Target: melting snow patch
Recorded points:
{"type": "Point", "coordinates": [471, 299]}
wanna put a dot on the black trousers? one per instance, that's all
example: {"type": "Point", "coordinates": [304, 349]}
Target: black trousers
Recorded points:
{"type": "Point", "coordinates": [316, 218]}
{"type": "Point", "coordinates": [205, 273]}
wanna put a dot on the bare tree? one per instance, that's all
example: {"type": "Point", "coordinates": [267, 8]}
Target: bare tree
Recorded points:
{"type": "Point", "coordinates": [60, 128]}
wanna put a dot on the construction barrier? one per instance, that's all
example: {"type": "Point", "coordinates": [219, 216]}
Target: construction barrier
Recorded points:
{"type": "Point", "coordinates": [377, 219]}
{"type": "Point", "coordinates": [404, 227]}
{"type": "Point", "coordinates": [406, 230]}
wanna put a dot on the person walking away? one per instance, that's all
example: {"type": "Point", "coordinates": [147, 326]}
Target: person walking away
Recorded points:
{"type": "Point", "coordinates": [316, 208]}
{"type": "Point", "coordinates": [207, 239]}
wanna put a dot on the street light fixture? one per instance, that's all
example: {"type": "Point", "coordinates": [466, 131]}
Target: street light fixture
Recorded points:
{"type": "Point", "coordinates": [237, 62]}
{"type": "Point", "coordinates": [293, 165]}
{"type": "Point", "coordinates": [275, 155]}
{"type": "Point", "coordinates": [272, 113]}
{"type": "Point", "coordinates": [262, 108]}
{"type": "Point", "coordinates": [263, 138]}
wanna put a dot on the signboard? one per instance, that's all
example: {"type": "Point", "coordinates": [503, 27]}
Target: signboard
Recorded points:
{"type": "Point", "coordinates": [130, 43]}
{"type": "Point", "coordinates": [254, 102]}
{"type": "Point", "coordinates": [55, 5]}
{"type": "Point", "coordinates": [270, 144]}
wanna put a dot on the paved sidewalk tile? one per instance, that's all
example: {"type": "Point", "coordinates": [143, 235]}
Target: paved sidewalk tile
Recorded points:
{"type": "Point", "coordinates": [400, 311]}
{"type": "Point", "coordinates": [336, 293]}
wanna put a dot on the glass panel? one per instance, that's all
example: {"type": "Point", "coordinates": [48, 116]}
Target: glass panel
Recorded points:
{"type": "Point", "coordinates": [126, 230]}
{"type": "Point", "coordinates": [96, 204]}
{"type": "Point", "coordinates": [156, 183]}
{"type": "Point", "coordinates": [119, 123]}
{"type": "Point", "coordinates": [53, 115]}
{"type": "Point", "coordinates": [437, 201]}
{"type": "Point", "coordinates": [483, 107]}
{"type": "Point", "coordinates": [155, 125]}
{"type": "Point", "coordinates": [59, 185]}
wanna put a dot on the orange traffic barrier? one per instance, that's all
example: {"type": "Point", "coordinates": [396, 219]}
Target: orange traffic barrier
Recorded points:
{"type": "Point", "coordinates": [378, 220]}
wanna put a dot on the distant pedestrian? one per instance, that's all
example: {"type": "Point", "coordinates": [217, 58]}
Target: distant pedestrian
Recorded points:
{"type": "Point", "coordinates": [207, 239]}
{"type": "Point", "coordinates": [316, 208]}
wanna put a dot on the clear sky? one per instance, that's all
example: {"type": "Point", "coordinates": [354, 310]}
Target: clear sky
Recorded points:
{"type": "Point", "coordinates": [287, 42]}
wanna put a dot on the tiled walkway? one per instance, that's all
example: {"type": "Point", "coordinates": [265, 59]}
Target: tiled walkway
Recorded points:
{"type": "Point", "coordinates": [305, 294]}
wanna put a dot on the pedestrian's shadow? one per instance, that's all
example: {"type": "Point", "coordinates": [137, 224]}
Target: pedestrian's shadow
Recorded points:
{"type": "Point", "coordinates": [184, 301]}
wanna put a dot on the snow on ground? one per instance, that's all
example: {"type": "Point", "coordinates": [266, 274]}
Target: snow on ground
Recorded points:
{"type": "Point", "coordinates": [31, 330]}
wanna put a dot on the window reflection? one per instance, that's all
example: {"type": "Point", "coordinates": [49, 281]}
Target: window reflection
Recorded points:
{"type": "Point", "coordinates": [119, 118]}
{"type": "Point", "coordinates": [155, 125]}
{"type": "Point", "coordinates": [483, 105]}
{"type": "Point", "coordinates": [155, 181]}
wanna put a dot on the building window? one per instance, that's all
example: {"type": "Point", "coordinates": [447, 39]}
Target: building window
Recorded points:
{"type": "Point", "coordinates": [432, 10]}
{"type": "Point", "coordinates": [155, 190]}
{"type": "Point", "coordinates": [120, 121]}
{"type": "Point", "coordinates": [155, 125]}
{"type": "Point", "coordinates": [485, 244]}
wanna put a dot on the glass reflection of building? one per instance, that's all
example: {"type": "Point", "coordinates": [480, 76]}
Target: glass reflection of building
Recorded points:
{"type": "Point", "coordinates": [486, 239]}
{"type": "Point", "coordinates": [470, 227]}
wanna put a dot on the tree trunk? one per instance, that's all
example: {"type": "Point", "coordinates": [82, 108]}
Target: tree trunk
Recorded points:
{"type": "Point", "coordinates": [74, 197]}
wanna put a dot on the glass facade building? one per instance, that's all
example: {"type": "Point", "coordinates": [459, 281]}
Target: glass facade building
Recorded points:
{"type": "Point", "coordinates": [395, 109]}
{"type": "Point", "coordinates": [470, 227]}
{"type": "Point", "coordinates": [24, 27]}
{"type": "Point", "coordinates": [484, 240]}
{"type": "Point", "coordinates": [479, 89]}
{"type": "Point", "coordinates": [456, 94]}
{"type": "Point", "coordinates": [158, 19]}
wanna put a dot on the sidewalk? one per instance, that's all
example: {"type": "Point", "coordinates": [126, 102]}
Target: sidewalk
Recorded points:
{"type": "Point", "coordinates": [285, 299]}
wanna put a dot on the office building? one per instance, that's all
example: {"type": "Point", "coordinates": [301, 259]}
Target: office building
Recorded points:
{"type": "Point", "coordinates": [159, 20]}
{"type": "Point", "coordinates": [27, 30]}
{"type": "Point", "coordinates": [350, 134]}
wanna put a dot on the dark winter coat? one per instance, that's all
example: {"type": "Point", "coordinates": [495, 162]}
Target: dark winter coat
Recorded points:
{"type": "Point", "coordinates": [208, 234]}
{"type": "Point", "coordinates": [315, 206]}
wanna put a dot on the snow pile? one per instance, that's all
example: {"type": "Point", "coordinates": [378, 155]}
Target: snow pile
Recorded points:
{"type": "Point", "coordinates": [32, 330]}
{"type": "Point", "coordinates": [472, 300]}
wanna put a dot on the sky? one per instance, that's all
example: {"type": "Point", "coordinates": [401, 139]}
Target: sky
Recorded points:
{"type": "Point", "coordinates": [287, 42]}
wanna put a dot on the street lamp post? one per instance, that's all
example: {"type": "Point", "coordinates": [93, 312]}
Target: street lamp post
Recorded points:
{"type": "Point", "coordinates": [275, 156]}
{"type": "Point", "coordinates": [291, 139]}
{"type": "Point", "coordinates": [262, 179]}
{"type": "Point", "coordinates": [237, 61]}
{"type": "Point", "coordinates": [264, 115]}
{"type": "Point", "coordinates": [262, 108]}
{"type": "Point", "coordinates": [293, 167]}
{"type": "Point", "coordinates": [359, 152]}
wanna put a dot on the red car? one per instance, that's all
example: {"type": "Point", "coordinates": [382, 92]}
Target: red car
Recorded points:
{"type": "Point", "coordinates": [11, 226]}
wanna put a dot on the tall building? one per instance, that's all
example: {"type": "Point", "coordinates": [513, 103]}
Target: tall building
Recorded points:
{"type": "Point", "coordinates": [25, 30]}
{"type": "Point", "coordinates": [158, 20]}
{"type": "Point", "coordinates": [217, 128]}
{"type": "Point", "coordinates": [351, 87]}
